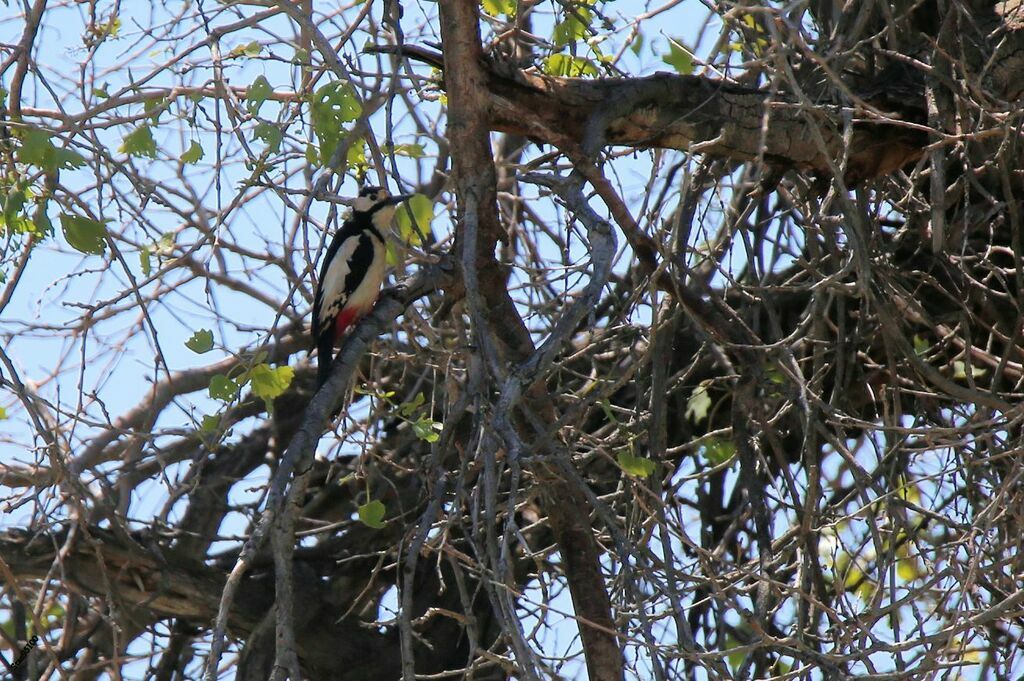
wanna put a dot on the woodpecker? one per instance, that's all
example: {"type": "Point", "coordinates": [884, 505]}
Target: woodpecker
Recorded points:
{"type": "Point", "coordinates": [352, 272]}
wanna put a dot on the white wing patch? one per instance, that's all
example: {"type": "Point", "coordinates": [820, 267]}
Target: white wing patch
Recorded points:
{"type": "Point", "coordinates": [334, 298]}
{"type": "Point", "coordinates": [334, 280]}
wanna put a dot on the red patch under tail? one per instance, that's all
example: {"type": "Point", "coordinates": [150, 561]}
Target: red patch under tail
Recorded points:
{"type": "Point", "coordinates": [344, 320]}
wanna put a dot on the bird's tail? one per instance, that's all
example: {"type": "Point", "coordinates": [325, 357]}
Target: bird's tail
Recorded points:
{"type": "Point", "coordinates": [324, 358]}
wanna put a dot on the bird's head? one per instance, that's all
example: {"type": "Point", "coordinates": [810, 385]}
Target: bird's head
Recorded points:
{"type": "Point", "coordinates": [379, 203]}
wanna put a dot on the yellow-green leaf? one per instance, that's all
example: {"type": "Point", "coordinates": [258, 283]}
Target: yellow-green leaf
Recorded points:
{"type": "Point", "coordinates": [356, 156]}
{"type": "Point", "coordinates": [637, 466]}
{"type": "Point", "coordinates": [249, 49]}
{"type": "Point", "coordinates": [569, 66]}
{"type": "Point", "coordinates": [575, 27]}
{"type": "Point", "coordinates": [499, 7]}
{"type": "Point", "coordinates": [269, 382]}
{"type": "Point", "coordinates": [422, 212]}
{"type": "Point", "coordinates": [139, 142]}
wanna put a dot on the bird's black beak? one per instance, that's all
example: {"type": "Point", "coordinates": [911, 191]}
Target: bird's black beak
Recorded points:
{"type": "Point", "coordinates": [397, 199]}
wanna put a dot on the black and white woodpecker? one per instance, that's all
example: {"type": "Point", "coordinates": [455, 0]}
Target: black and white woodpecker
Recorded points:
{"type": "Point", "coordinates": [352, 272]}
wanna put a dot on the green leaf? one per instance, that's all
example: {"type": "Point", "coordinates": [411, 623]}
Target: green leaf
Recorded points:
{"type": "Point", "coordinates": [83, 234]}
{"type": "Point", "coordinates": [718, 450]}
{"type": "Point", "coordinates": [698, 404]}
{"type": "Point", "coordinates": [499, 7]}
{"type": "Point", "coordinates": [637, 466]}
{"type": "Point", "coordinates": [678, 57]}
{"type": "Point", "coordinates": [407, 409]}
{"type": "Point", "coordinates": [210, 423]}
{"type": "Point", "coordinates": [100, 92]}
{"type": "Point", "coordinates": [574, 27]}
{"type": "Point", "coordinates": [269, 382]}
{"type": "Point", "coordinates": [146, 261]}
{"type": "Point", "coordinates": [36, 149]}
{"type": "Point", "coordinates": [372, 513]}
{"type": "Point", "coordinates": [427, 429]}
{"type": "Point", "coordinates": [139, 142]}
{"type": "Point", "coordinates": [256, 94]}
{"type": "Point", "coordinates": [154, 107]}
{"type": "Point", "coordinates": [637, 44]}
{"type": "Point", "coordinates": [41, 226]}
{"type": "Point", "coordinates": [68, 159]}
{"type": "Point", "coordinates": [3, 414]}
{"type": "Point", "coordinates": [410, 150]}
{"type": "Point", "coordinates": [734, 659]}
{"type": "Point", "coordinates": [422, 210]}
{"type": "Point", "coordinates": [223, 388]}
{"type": "Point", "coordinates": [270, 134]}
{"type": "Point", "coordinates": [200, 342]}
{"type": "Point", "coordinates": [193, 154]}
{"type": "Point", "coordinates": [569, 66]}
{"type": "Point", "coordinates": [333, 105]}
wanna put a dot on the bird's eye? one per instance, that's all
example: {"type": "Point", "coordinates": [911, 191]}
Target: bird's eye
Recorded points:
{"type": "Point", "coordinates": [373, 197]}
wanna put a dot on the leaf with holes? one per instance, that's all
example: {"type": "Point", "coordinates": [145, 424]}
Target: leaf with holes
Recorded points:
{"type": "Point", "coordinates": [200, 342]}
{"type": "Point", "coordinates": [223, 388]}
{"type": "Point", "coordinates": [333, 105]}
{"type": "Point", "coordinates": [270, 134]}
